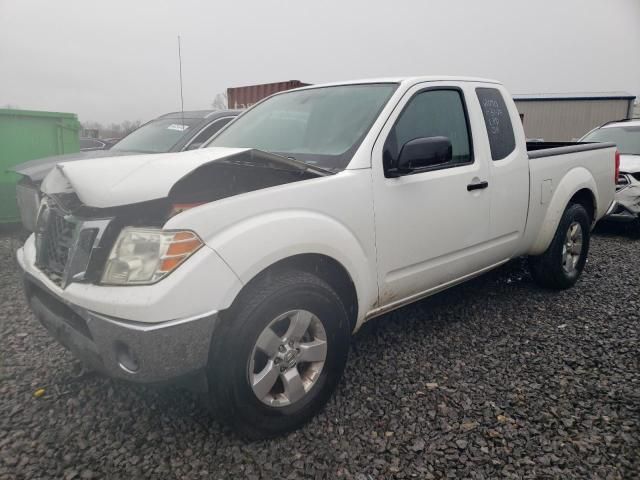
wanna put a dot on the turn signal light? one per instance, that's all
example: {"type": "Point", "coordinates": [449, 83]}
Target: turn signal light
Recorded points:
{"type": "Point", "coordinates": [182, 245]}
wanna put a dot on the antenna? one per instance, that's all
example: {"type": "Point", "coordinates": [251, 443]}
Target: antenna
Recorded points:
{"type": "Point", "coordinates": [181, 96]}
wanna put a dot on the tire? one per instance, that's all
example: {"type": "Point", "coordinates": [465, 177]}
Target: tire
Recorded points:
{"type": "Point", "coordinates": [238, 358]}
{"type": "Point", "coordinates": [553, 269]}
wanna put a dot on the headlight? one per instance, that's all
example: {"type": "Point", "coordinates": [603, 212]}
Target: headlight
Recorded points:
{"type": "Point", "coordinates": [145, 255]}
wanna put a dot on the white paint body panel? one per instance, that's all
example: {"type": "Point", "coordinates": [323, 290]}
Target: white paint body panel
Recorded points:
{"type": "Point", "coordinates": [508, 179]}
{"type": "Point", "coordinates": [398, 238]}
{"type": "Point", "coordinates": [569, 173]}
{"type": "Point", "coordinates": [331, 216]}
{"type": "Point", "coordinates": [429, 229]}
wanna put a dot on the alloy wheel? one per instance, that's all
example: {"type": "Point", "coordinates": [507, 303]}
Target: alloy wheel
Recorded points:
{"type": "Point", "coordinates": [572, 248]}
{"type": "Point", "coordinates": [287, 359]}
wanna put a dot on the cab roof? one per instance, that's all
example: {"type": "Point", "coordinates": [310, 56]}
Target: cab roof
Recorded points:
{"type": "Point", "coordinates": [628, 122]}
{"type": "Point", "coordinates": [404, 80]}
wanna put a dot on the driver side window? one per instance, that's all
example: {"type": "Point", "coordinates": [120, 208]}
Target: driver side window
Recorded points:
{"type": "Point", "coordinates": [432, 113]}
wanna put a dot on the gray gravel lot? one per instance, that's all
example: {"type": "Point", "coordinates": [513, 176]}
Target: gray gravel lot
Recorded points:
{"type": "Point", "coordinates": [495, 378]}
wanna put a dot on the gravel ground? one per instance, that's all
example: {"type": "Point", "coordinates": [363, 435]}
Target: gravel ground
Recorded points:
{"type": "Point", "coordinates": [496, 378]}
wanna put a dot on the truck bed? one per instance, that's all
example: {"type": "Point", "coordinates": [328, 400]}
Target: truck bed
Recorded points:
{"type": "Point", "coordinates": [548, 149]}
{"type": "Point", "coordinates": [564, 166]}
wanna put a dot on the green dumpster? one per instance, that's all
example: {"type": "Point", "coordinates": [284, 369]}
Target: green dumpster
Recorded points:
{"type": "Point", "coordinates": [26, 135]}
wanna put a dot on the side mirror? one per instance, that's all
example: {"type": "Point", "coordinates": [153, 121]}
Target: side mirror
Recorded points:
{"type": "Point", "coordinates": [424, 152]}
{"type": "Point", "coordinates": [195, 145]}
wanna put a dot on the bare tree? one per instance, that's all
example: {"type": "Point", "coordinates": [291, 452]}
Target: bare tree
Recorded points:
{"type": "Point", "coordinates": [113, 130]}
{"type": "Point", "coordinates": [90, 125]}
{"type": "Point", "coordinates": [128, 126]}
{"type": "Point", "coordinates": [220, 102]}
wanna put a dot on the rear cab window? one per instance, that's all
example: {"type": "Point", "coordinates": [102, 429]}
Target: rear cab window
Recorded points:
{"type": "Point", "coordinates": [498, 122]}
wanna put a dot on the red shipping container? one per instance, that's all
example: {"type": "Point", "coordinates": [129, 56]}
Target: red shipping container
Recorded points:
{"type": "Point", "coordinates": [244, 97]}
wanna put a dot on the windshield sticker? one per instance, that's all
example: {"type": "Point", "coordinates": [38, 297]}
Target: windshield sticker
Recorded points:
{"type": "Point", "coordinates": [178, 127]}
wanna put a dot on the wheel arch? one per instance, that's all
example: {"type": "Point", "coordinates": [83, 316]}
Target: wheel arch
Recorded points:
{"type": "Point", "coordinates": [324, 267]}
{"type": "Point", "coordinates": [587, 199]}
{"type": "Point", "coordinates": [577, 186]}
{"type": "Point", "coordinates": [306, 240]}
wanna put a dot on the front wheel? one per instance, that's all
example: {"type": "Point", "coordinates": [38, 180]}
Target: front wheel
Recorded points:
{"type": "Point", "coordinates": [279, 354]}
{"type": "Point", "coordinates": [561, 265]}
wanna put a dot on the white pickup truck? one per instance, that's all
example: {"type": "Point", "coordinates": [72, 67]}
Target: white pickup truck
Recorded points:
{"type": "Point", "coordinates": [250, 263]}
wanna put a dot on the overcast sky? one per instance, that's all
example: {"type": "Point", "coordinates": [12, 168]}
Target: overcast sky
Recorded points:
{"type": "Point", "coordinates": [117, 60]}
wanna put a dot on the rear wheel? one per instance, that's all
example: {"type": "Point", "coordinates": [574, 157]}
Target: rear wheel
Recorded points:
{"type": "Point", "coordinates": [561, 265]}
{"type": "Point", "coordinates": [278, 355]}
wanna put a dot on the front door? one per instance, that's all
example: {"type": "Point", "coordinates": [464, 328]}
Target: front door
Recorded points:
{"type": "Point", "coordinates": [431, 227]}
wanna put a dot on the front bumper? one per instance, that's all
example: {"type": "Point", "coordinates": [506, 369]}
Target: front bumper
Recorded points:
{"type": "Point", "coordinates": [143, 333]}
{"type": "Point", "coordinates": [626, 207]}
{"type": "Point", "coordinates": [147, 334]}
{"type": "Point", "coordinates": [140, 352]}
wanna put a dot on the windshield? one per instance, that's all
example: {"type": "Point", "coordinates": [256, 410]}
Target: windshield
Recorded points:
{"type": "Point", "coordinates": [626, 138]}
{"type": "Point", "coordinates": [157, 136]}
{"type": "Point", "coordinates": [320, 126]}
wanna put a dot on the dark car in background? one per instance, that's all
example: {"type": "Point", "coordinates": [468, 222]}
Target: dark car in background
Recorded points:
{"type": "Point", "coordinates": [173, 132]}
{"type": "Point", "coordinates": [89, 144]}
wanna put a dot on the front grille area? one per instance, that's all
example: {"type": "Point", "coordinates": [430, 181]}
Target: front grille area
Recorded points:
{"type": "Point", "coordinates": [66, 243]}
{"type": "Point", "coordinates": [59, 240]}
{"type": "Point", "coordinates": [55, 237]}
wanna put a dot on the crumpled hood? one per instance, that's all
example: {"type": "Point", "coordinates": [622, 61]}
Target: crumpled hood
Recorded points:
{"type": "Point", "coordinates": [37, 169]}
{"type": "Point", "coordinates": [113, 182]}
{"type": "Point", "coordinates": [630, 163]}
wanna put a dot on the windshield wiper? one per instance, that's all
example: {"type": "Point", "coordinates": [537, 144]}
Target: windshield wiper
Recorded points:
{"type": "Point", "coordinates": [304, 165]}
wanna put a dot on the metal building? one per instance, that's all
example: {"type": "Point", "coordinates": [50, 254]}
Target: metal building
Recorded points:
{"type": "Point", "coordinates": [564, 117]}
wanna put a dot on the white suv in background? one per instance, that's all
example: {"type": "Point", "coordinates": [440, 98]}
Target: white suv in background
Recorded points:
{"type": "Point", "coordinates": [626, 135]}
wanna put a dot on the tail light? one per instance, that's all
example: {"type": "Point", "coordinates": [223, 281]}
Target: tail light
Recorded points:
{"type": "Point", "coordinates": [615, 178]}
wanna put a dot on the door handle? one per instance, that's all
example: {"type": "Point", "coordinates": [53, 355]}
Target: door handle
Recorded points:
{"type": "Point", "coordinates": [477, 185]}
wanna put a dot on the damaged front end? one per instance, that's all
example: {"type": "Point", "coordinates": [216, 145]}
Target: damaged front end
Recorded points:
{"type": "Point", "coordinates": [627, 200]}
{"type": "Point", "coordinates": [73, 241]}
{"type": "Point", "coordinates": [88, 207]}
